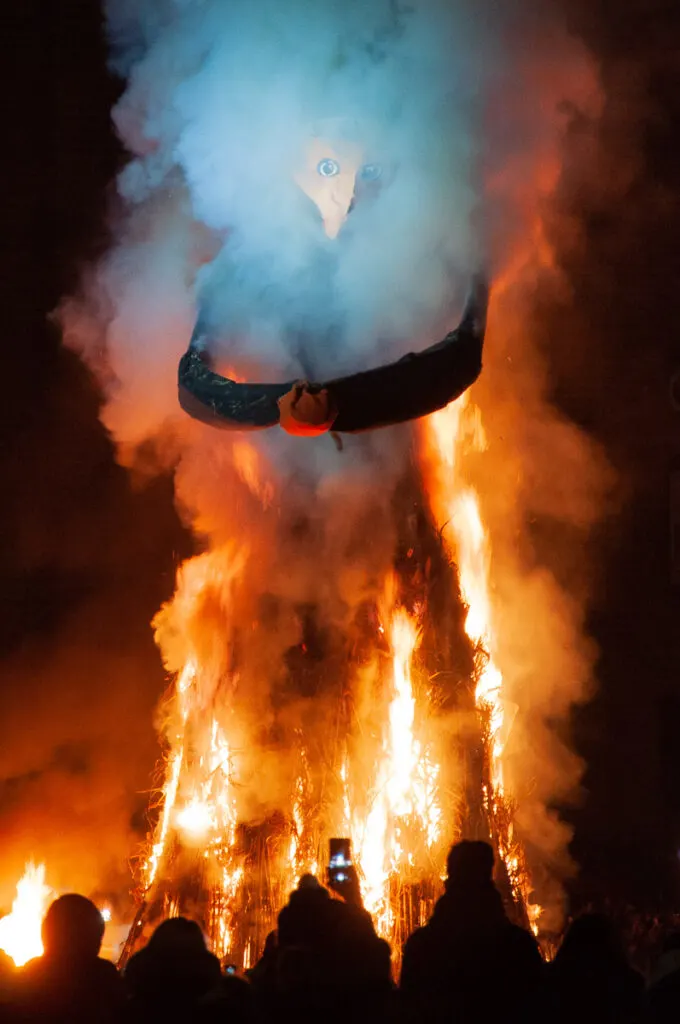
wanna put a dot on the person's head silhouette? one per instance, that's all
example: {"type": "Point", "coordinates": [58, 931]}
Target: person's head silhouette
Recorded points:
{"type": "Point", "coordinates": [470, 863]}
{"type": "Point", "coordinates": [177, 935]}
{"type": "Point", "coordinates": [73, 928]}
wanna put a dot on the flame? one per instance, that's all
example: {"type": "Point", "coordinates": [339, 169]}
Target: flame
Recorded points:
{"type": "Point", "coordinates": [302, 853]}
{"type": "Point", "coordinates": [247, 463]}
{"type": "Point", "coordinates": [197, 798]}
{"type": "Point", "coordinates": [210, 813]}
{"type": "Point", "coordinates": [206, 816]}
{"type": "Point", "coordinates": [451, 432]}
{"type": "Point", "coordinates": [403, 807]}
{"type": "Point", "coordinates": [198, 806]}
{"type": "Point", "coordinates": [20, 931]}
{"type": "Point", "coordinates": [448, 435]}
{"type": "Point", "coordinates": [195, 818]}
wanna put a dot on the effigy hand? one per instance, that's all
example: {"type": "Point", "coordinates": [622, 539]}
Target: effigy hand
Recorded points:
{"type": "Point", "coordinates": [306, 410]}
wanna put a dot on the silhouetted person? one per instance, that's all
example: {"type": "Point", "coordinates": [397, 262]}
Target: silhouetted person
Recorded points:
{"type": "Point", "coordinates": [663, 996]}
{"type": "Point", "coordinates": [590, 979]}
{"type": "Point", "coordinates": [328, 962]}
{"type": "Point", "coordinates": [304, 919]}
{"type": "Point", "coordinates": [363, 958]}
{"type": "Point", "coordinates": [470, 963]}
{"type": "Point", "coordinates": [263, 976]}
{"type": "Point", "coordinates": [70, 982]}
{"type": "Point", "coordinates": [174, 975]}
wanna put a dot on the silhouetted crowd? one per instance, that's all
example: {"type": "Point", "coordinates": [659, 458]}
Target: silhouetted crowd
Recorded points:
{"type": "Point", "coordinates": [326, 963]}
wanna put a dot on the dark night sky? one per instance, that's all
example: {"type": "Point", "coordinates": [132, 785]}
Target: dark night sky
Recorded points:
{"type": "Point", "coordinates": [87, 556]}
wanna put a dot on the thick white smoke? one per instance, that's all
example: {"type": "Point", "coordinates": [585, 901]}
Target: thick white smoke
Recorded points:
{"type": "Point", "coordinates": [221, 101]}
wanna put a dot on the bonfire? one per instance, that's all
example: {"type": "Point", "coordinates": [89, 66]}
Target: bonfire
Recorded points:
{"type": "Point", "coordinates": [386, 770]}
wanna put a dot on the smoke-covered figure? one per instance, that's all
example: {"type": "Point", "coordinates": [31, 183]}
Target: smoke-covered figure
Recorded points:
{"type": "Point", "coordinates": [338, 174]}
{"type": "Point", "coordinates": [331, 152]}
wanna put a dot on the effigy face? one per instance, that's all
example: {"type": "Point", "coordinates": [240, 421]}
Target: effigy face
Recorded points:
{"type": "Point", "coordinates": [337, 171]}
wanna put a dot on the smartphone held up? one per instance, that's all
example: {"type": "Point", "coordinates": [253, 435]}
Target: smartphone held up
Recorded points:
{"type": "Point", "coordinates": [339, 862]}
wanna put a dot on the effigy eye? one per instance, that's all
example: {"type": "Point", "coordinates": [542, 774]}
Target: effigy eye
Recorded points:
{"type": "Point", "coordinates": [370, 172]}
{"type": "Point", "coordinates": [328, 168]}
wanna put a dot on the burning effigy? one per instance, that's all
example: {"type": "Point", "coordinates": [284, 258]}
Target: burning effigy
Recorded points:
{"type": "Point", "coordinates": [361, 647]}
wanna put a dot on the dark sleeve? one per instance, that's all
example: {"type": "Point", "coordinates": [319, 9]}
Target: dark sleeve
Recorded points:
{"type": "Point", "coordinates": [420, 383]}
{"type": "Point", "coordinates": [415, 386]}
{"type": "Point", "coordinates": [405, 390]}
{"type": "Point", "coordinates": [220, 402]}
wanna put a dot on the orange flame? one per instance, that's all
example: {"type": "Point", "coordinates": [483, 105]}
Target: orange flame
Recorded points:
{"type": "Point", "coordinates": [448, 435]}
{"type": "Point", "coordinates": [198, 797]}
{"type": "Point", "coordinates": [20, 931]}
{"type": "Point", "coordinates": [403, 805]}
{"type": "Point", "coordinates": [451, 432]}
{"type": "Point", "coordinates": [247, 463]}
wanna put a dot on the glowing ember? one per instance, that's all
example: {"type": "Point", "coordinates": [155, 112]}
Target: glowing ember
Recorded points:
{"type": "Point", "coordinates": [20, 931]}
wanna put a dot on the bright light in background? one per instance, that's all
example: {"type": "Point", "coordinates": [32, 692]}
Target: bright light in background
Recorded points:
{"type": "Point", "coordinates": [20, 931]}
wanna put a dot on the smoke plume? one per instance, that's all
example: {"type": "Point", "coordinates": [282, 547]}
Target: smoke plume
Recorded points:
{"type": "Point", "coordinates": [466, 107]}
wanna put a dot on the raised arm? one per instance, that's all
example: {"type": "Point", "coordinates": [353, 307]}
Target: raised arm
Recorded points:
{"type": "Point", "coordinates": [414, 386]}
